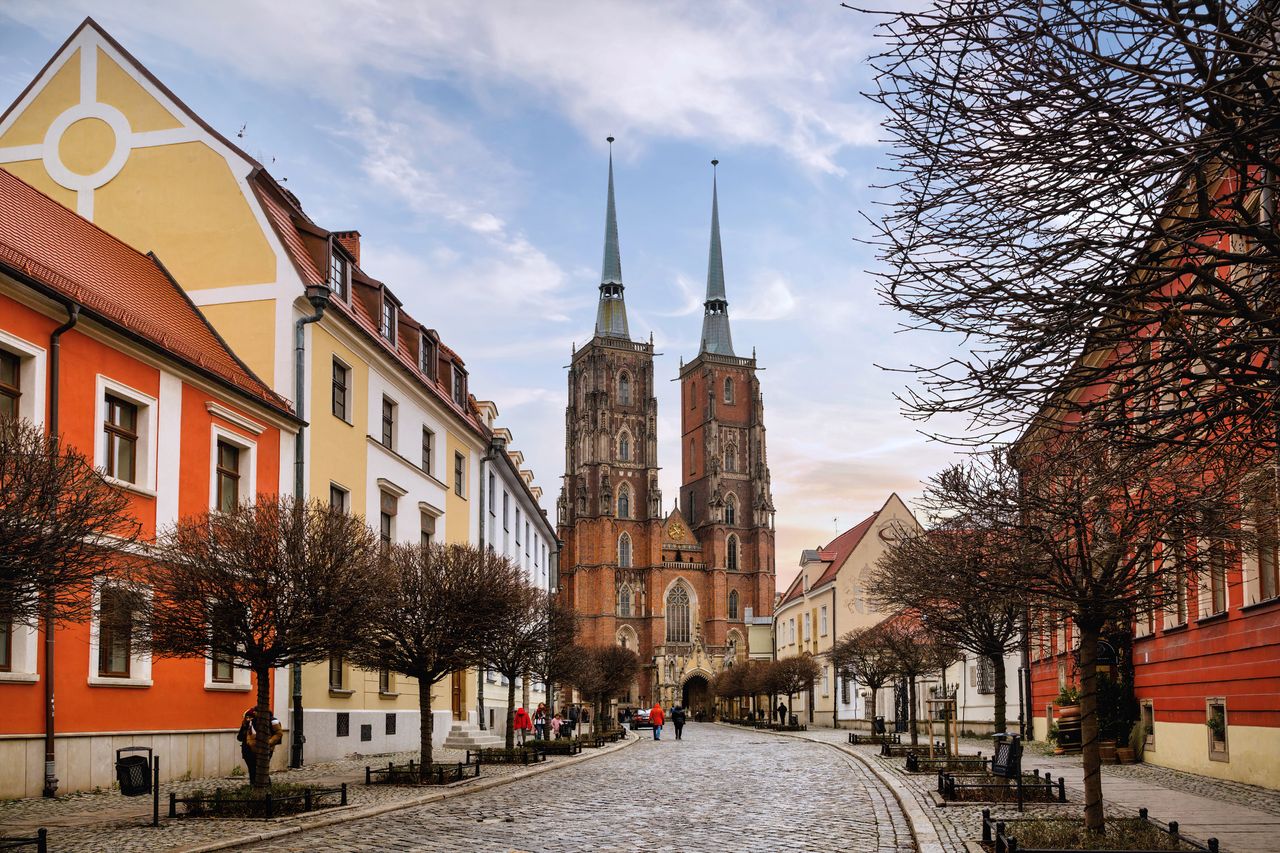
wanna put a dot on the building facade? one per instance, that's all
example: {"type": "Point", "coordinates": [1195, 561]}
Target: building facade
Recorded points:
{"type": "Point", "coordinates": [689, 590]}
{"type": "Point", "coordinates": [392, 430]}
{"type": "Point", "coordinates": [150, 394]}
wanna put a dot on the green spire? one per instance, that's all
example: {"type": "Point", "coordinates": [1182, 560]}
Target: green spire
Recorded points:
{"type": "Point", "coordinates": [715, 322]}
{"type": "Point", "coordinates": [611, 317]}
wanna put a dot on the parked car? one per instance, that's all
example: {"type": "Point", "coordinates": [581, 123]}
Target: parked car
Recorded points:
{"type": "Point", "coordinates": [640, 719]}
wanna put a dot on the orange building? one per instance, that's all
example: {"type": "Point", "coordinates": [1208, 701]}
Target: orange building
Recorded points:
{"type": "Point", "coordinates": [172, 417]}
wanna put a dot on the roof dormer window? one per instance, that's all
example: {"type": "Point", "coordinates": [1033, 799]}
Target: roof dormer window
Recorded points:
{"type": "Point", "coordinates": [338, 274]}
{"type": "Point", "coordinates": [459, 387]}
{"type": "Point", "coordinates": [388, 325]}
{"type": "Point", "coordinates": [427, 356]}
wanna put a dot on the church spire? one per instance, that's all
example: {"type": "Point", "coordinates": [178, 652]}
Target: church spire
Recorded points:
{"type": "Point", "coordinates": [611, 318]}
{"type": "Point", "coordinates": [715, 322]}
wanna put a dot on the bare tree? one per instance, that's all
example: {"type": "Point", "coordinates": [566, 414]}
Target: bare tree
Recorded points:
{"type": "Point", "coordinates": [61, 525]}
{"type": "Point", "coordinates": [915, 652]}
{"type": "Point", "coordinates": [942, 576]}
{"type": "Point", "coordinates": [270, 584]}
{"type": "Point", "coordinates": [731, 684]}
{"type": "Point", "coordinates": [560, 659]}
{"type": "Point", "coordinates": [605, 672]}
{"type": "Point", "coordinates": [863, 653]}
{"type": "Point", "coordinates": [1087, 192]}
{"type": "Point", "coordinates": [440, 606]}
{"type": "Point", "coordinates": [531, 622]}
{"type": "Point", "coordinates": [1106, 534]}
{"type": "Point", "coordinates": [795, 675]}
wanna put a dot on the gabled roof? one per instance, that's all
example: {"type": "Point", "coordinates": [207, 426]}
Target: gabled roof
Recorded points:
{"type": "Point", "coordinates": [834, 554]}
{"type": "Point", "coordinates": [74, 259]}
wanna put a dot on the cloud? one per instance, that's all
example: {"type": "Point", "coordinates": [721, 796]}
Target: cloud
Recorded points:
{"type": "Point", "coordinates": [771, 298]}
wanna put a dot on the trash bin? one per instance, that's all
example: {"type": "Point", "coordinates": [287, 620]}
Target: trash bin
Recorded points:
{"type": "Point", "coordinates": [793, 720]}
{"type": "Point", "coordinates": [133, 772]}
{"type": "Point", "coordinates": [877, 725]}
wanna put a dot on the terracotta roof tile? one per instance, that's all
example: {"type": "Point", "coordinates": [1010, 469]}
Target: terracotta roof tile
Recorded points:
{"type": "Point", "coordinates": [75, 258]}
{"type": "Point", "coordinates": [288, 233]}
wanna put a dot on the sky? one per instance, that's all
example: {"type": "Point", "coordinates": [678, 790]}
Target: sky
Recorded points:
{"type": "Point", "coordinates": [466, 142]}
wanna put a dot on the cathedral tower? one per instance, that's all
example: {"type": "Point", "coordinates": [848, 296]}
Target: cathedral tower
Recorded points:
{"type": "Point", "coordinates": [726, 494]}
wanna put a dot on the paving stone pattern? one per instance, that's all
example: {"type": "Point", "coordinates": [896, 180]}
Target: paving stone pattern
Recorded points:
{"type": "Point", "coordinates": [719, 789]}
{"type": "Point", "coordinates": [96, 821]}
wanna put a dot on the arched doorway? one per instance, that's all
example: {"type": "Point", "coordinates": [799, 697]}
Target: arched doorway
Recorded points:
{"type": "Point", "coordinates": [696, 697]}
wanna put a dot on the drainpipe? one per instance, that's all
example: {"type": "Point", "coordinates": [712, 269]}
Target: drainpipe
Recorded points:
{"type": "Point", "coordinates": [318, 296]}
{"type": "Point", "coordinates": [50, 762]}
{"type": "Point", "coordinates": [489, 456]}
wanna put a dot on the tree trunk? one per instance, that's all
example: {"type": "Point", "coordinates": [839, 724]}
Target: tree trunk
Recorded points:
{"type": "Point", "coordinates": [427, 723]}
{"type": "Point", "coordinates": [1002, 690]}
{"type": "Point", "coordinates": [1091, 760]}
{"type": "Point", "coordinates": [262, 731]}
{"type": "Point", "coordinates": [875, 694]}
{"type": "Point", "coordinates": [511, 713]}
{"type": "Point", "coordinates": [911, 711]}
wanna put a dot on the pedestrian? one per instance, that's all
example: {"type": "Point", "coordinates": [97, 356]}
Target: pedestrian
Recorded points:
{"type": "Point", "coordinates": [585, 718]}
{"type": "Point", "coordinates": [522, 724]}
{"type": "Point", "coordinates": [782, 714]}
{"type": "Point", "coordinates": [556, 723]}
{"type": "Point", "coordinates": [677, 720]}
{"type": "Point", "coordinates": [540, 721]}
{"type": "Point", "coordinates": [656, 719]}
{"type": "Point", "coordinates": [246, 750]}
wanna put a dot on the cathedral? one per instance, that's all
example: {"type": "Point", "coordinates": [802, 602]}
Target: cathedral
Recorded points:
{"type": "Point", "coordinates": [690, 589]}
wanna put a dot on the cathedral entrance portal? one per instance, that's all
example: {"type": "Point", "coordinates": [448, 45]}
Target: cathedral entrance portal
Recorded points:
{"type": "Point", "coordinates": [696, 698]}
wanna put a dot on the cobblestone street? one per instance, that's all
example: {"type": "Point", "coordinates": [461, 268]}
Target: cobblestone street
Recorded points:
{"type": "Point", "coordinates": [719, 789]}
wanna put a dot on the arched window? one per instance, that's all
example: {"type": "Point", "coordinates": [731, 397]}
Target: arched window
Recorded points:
{"type": "Point", "coordinates": [624, 602]}
{"type": "Point", "coordinates": [733, 604]}
{"type": "Point", "coordinates": [678, 615]}
{"type": "Point", "coordinates": [728, 390]}
{"type": "Point", "coordinates": [624, 447]}
{"type": "Point", "coordinates": [624, 389]}
{"type": "Point", "coordinates": [731, 553]}
{"type": "Point", "coordinates": [731, 510]}
{"type": "Point", "coordinates": [624, 551]}
{"type": "Point", "coordinates": [624, 501]}
{"type": "Point", "coordinates": [730, 458]}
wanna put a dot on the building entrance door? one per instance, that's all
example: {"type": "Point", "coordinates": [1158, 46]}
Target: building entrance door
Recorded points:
{"type": "Point", "coordinates": [455, 695]}
{"type": "Point", "coordinates": [696, 698]}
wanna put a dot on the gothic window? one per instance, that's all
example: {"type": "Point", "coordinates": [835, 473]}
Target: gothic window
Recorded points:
{"type": "Point", "coordinates": [731, 553]}
{"type": "Point", "coordinates": [731, 510]}
{"type": "Point", "coordinates": [678, 615]}
{"type": "Point", "coordinates": [624, 501]}
{"type": "Point", "coordinates": [627, 638]}
{"type": "Point", "coordinates": [730, 457]}
{"type": "Point", "coordinates": [624, 602]}
{"type": "Point", "coordinates": [733, 604]}
{"type": "Point", "coordinates": [728, 390]}
{"type": "Point", "coordinates": [624, 390]}
{"type": "Point", "coordinates": [624, 447]}
{"type": "Point", "coordinates": [624, 551]}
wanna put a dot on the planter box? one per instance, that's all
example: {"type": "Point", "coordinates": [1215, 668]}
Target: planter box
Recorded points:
{"type": "Point", "coordinates": [518, 755]}
{"type": "Point", "coordinates": [422, 774]}
{"type": "Point", "coordinates": [556, 746]}
{"type": "Point", "coordinates": [1001, 836]}
{"type": "Point", "coordinates": [989, 788]}
{"type": "Point", "coordinates": [239, 803]}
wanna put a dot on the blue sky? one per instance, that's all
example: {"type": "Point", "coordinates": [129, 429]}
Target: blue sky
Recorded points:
{"type": "Point", "coordinates": [466, 142]}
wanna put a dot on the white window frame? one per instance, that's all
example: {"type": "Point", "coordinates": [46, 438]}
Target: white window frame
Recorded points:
{"type": "Point", "coordinates": [241, 677]}
{"type": "Point", "coordinates": [31, 376]}
{"type": "Point", "coordinates": [1251, 571]}
{"type": "Point", "coordinates": [148, 426]}
{"type": "Point", "coordinates": [826, 681]}
{"type": "Point", "coordinates": [248, 464]}
{"type": "Point", "coordinates": [139, 662]}
{"type": "Point", "coordinates": [24, 655]}
{"type": "Point", "coordinates": [822, 620]}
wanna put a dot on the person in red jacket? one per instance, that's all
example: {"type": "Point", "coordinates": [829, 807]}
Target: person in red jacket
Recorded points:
{"type": "Point", "coordinates": [656, 718]}
{"type": "Point", "coordinates": [522, 724]}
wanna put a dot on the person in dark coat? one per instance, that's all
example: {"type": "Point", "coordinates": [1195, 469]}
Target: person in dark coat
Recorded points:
{"type": "Point", "coordinates": [677, 720]}
{"type": "Point", "coordinates": [782, 714]}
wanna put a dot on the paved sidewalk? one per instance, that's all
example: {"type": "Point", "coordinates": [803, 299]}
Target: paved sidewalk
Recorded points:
{"type": "Point", "coordinates": [94, 821]}
{"type": "Point", "coordinates": [1244, 818]}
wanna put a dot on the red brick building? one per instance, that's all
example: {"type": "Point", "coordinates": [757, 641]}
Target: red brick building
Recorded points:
{"type": "Point", "coordinates": [682, 588]}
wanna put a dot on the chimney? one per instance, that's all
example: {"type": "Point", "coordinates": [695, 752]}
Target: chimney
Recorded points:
{"type": "Point", "coordinates": [349, 240]}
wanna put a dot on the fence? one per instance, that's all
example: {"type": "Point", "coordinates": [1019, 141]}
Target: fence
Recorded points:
{"type": "Point", "coordinates": [40, 841]}
{"type": "Point", "coordinates": [999, 834]}
{"type": "Point", "coordinates": [267, 806]}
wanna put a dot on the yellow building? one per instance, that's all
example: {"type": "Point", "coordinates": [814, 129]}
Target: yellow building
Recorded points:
{"type": "Point", "coordinates": [393, 432]}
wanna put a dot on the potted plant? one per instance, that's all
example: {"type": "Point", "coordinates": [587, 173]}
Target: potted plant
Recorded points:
{"type": "Point", "coordinates": [1217, 725]}
{"type": "Point", "coordinates": [1068, 719]}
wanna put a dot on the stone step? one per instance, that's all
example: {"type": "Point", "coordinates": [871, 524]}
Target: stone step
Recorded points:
{"type": "Point", "coordinates": [465, 735]}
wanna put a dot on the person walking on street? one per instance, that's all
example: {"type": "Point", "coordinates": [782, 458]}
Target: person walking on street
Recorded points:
{"type": "Point", "coordinates": [656, 718]}
{"type": "Point", "coordinates": [677, 720]}
{"type": "Point", "coordinates": [782, 714]}
{"type": "Point", "coordinates": [522, 724]}
{"type": "Point", "coordinates": [540, 721]}
{"type": "Point", "coordinates": [571, 720]}
{"type": "Point", "coordinates": [556, 724]}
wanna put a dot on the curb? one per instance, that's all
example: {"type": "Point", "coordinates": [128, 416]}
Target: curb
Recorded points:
{"type": "Point", "coordinates": [922, 828]}
{"type": "Point", "coordinates": [384, 808]}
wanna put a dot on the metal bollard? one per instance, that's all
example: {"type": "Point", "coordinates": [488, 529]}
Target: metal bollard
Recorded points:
{"type": "Point", "coordinates": [344, 794]}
